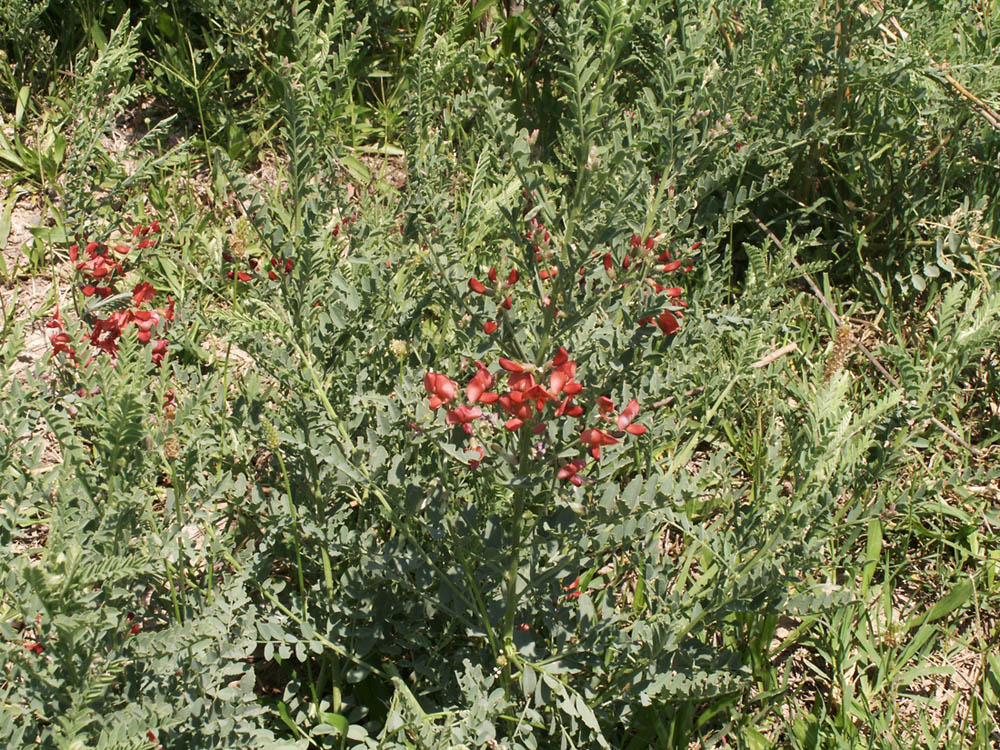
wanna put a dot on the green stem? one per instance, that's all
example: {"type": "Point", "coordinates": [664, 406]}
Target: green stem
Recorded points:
{"type": "Point", "coordinates": [179, 496]}
{"type": "Point", "coordinates": [480, 604]}
{"type": "Point", "coordinates": [517, 534]}
{"type": "Point", "coordinates": [173, 591]}
{"type": "Point", "coordinates": [295, 531]}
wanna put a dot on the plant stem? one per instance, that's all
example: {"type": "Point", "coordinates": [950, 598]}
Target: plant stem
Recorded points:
{"type": "Point", "coordinates": [517, 532]}
{"type": "Point", "coordinates": [295, 531]}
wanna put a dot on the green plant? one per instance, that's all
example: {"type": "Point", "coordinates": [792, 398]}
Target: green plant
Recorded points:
{"type": "Point", "coordinates": [554, 445]}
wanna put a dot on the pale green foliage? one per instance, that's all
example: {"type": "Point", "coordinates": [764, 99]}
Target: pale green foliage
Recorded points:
{"type": "Point", "coordinates": [272, 540]}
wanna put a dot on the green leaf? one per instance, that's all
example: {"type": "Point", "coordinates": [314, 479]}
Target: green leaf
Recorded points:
{"type": "Point", "coordinates": [361, 174]}
{"type": "Point", "coordinates": [337, 721]}
{"type": "Point", "coordinates": [873, 552]}
{"type": "Point", "coordinates": [954, 599]}
{"type": "Point", "coordinates": [21, 106]}
{"type": "Point", "coordinates": [639, 598]}
{"type": "Point", "coordinates": [586, 714]}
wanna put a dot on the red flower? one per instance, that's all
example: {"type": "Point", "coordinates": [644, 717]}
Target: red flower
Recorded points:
{"type": "Point", "coordinates": [97, 267]}
{"type": "Point", "coordinates": [61, 342]}
{"type": "Point", "coordinates": [573, 589]}
{"type": "Point", "coordinates": [490, 326]}
{"type": "Point", "coordinates": [463, 415]}
{"type": "Point", "coordinates": [477, 286]}
{"type": "Point", "coordinates": [144, 292]}
{"type": "Point", "coordinates": [595, 439]}
{"type": "Point", "coordinates": [671, 266]}
{"type": "Point", "coordinates": [605, 405]}
{"type": "Point", "coordinates": [511, 366]}
{"type": "Point", "coordinates": [563, 372]}
{"type": "Point", "coordinates": [569, 471]}
{"type": "Point", "coordinates": [478, 451]}
{"type": "Point", "coordinates": [441, 388]}
{"type": "Point", "coordinates": [146, 321]}
{"type": "Point", "coordinates": [668, 323]}
{"type": "Point", "coordinates": [537, 394]}
{"type": "Point", "coordinates": [627, 415]}
{"type": "Point", "coordinates": [479, 385]}
{"type": "Point", "coordinates": [568, 408]}
{"type": "Point", "coordinates": [519, 407]}
{"type": "Point", "coordinates": [159, 350]}
{"type": "Point", "coordinates": [288, 265]}
{"type": "Point", "coordinates": [74, 253]}
{"type": "Point", "coordinates": [34, 647]}
{"type": "Point", "coordinates": [106, 332]}
{"type": "Point", "coordinates": [521, 381]}
{"type": "Point", "coordinates": [243, 276]}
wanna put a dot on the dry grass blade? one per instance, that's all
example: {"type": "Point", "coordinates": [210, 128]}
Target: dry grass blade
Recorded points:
{"type": "Point", "coordinates": [774, 356]}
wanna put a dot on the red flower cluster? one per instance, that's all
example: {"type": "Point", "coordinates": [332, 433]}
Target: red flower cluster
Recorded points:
{"type": "Point", "coordinates": [524, 400]}
{"type": "Point", "coordinates": [640, 251]}
{"type": "Point", "coordinates": [498, 290]}
{"type": "Point", "coordinates": [541, 243]}
{"type": "Point", "coordinates": [277, 266]}
{"type": "Point", "coordinates": [101, 268]}
{"type": "Point", "coordinates": [531, 402]}
{"type": "Point", "coordinates": [668, 321]}
{"type": "Point", "coordinates": [102, 272]}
